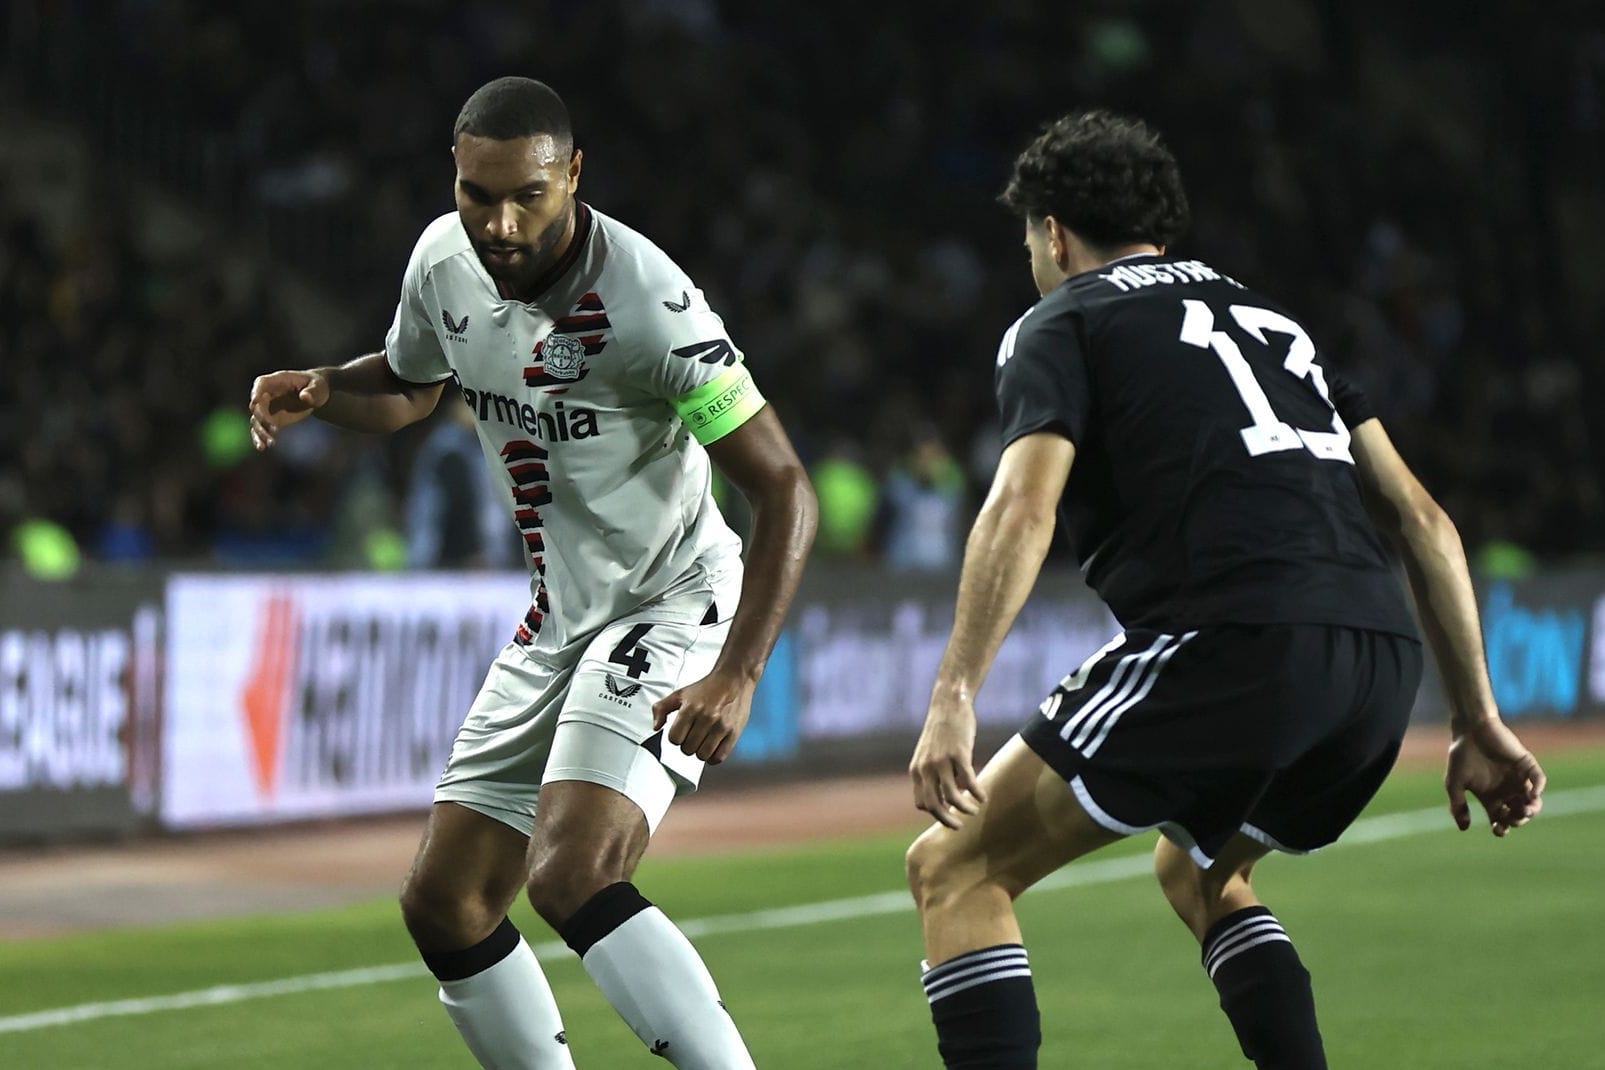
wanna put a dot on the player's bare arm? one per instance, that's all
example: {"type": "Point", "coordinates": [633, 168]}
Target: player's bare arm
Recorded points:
{"type": "Point", "coordinates": [1002, 558]}
{"type": "Point", "coordinates": [1485, 757]}
{"type": "Point", "coordinates": [362, 395]}
{"type": "Point", "coordinates": [759, 460]}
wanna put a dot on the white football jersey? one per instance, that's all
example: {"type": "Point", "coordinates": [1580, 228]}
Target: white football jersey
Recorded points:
{"type": "Point", "coordinates": [593, 403]}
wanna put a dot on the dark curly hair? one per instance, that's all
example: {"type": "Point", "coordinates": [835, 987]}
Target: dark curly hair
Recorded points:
{"type": "Point", "coordinates": [1110, 179]}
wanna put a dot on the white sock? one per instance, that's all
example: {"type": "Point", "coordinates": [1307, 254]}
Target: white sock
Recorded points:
{"type": "Point", "coordinates": [657, 982]}
{"type": "Point", "coordinates": [507, 1015]}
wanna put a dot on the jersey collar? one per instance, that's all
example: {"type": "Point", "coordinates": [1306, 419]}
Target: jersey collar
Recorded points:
{"type": "Point", "coordinates": [1129, 257]}
{"type": "Point", "coordinates": [555, 273]}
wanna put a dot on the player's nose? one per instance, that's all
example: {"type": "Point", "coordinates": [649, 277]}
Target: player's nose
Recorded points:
{"type": "Point", "coordinates": [503, 222]}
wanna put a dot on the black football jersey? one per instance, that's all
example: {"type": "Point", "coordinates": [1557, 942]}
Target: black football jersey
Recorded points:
{"type": "Point", "coordinates": [1213, 482]}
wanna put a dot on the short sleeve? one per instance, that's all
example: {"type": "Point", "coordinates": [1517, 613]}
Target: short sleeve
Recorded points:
{"type": "Point", "coordinates": [695, 366]}
{"type": "Point", "coordinates": [412, 347]}
{"type": "Point", "coordinates": [1041, 379]}
{"type": "Point", "coordinates": [1352, 406]}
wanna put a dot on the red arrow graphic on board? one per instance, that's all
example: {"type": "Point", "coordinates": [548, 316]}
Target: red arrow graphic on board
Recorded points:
{"type": "Point", "coordinates": [267, 689]}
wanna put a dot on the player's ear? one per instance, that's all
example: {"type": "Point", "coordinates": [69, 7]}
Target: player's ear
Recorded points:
{"type": "Point", "coordinates": [575, 162]}
{"type": "Point", "coordinates": [1058, 243]}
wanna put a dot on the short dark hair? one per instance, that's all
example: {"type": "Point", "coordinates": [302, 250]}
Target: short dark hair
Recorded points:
{"type": "Point", "coordinates": [1110, 179]}
{"type": "Point", "coordinates": [511, 108]}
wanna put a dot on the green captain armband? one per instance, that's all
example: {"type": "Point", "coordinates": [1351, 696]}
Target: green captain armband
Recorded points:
{"type": "Point", "coordinates": [715, 409]}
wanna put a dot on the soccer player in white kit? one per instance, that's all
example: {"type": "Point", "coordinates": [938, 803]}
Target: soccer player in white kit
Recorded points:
{"type": "Point", "coordinates": [602, 384]}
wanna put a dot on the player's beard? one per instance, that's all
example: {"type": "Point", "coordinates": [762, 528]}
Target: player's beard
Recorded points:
{"type": "Point", "coordinates": [538, 255]}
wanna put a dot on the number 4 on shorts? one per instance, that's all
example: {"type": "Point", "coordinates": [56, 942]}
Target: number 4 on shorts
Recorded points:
{"type": "Point", "coordinates": [631, 654]}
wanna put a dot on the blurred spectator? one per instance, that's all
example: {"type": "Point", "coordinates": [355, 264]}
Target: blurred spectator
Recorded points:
{"type": "Point", "coordinates": [1417, 189]}
{"type": "Point", "coordinates": [456, 517]}
{"type": "Point", "coordinates": [848, 500]}
{"type": "Point", "coordinates": [924, 496]}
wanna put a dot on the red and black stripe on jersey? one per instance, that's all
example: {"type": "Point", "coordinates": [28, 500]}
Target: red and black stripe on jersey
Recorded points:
{"type": "Point", "coordinates": [533, 497]}
{"type": "Point", "coordinates": [532, 489]}
{"type": "Point", "coordinates": [534, 618]}
{"type": "Point", "coordinates": [526, 463]}
{"type": "Point", "coordinates": [579, 323]}
{"type": "Point", "coordinates": [523, 451]}
{"type": "Point", "coordinates": [527, 472]}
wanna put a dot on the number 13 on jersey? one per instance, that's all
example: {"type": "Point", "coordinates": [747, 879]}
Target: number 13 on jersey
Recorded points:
{"type": "Point", "coordinates": [1267, 434]}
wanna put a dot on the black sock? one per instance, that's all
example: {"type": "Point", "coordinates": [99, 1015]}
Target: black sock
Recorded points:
{"type": "Point", "coordinates": [985, 1010]}
{"type": "Point", "coordinates": [455, 965]}
{"type": "Point", "coordinates": [601, 914]}
{"type": "Point", "coordinates": [1264, 990]}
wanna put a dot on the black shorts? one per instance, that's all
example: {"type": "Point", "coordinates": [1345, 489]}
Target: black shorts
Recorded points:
{"type": "Point", "coordinates": [1282, 732]}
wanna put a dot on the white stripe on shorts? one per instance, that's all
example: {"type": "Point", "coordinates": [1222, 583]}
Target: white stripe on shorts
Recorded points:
{"type": "Point", "coordinates": [1086, 719]}
{"type": "Point", "coordinates": [1078, 679]}
{"type": "Point", "coordinates": [1119, 684]}
{"type": "Point", "coordinates": [1140, 694]}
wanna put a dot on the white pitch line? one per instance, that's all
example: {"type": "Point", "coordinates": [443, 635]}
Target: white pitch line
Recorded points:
{"type": "Point", "coordinates": [1079, 874]}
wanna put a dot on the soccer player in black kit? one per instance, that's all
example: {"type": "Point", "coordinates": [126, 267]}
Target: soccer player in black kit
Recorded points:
{"type": "Point", "coordinates": [1229, 498]}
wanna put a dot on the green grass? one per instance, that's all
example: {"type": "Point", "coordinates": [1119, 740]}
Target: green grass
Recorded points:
{"type": "Point", "coordinates": [1436, 950]}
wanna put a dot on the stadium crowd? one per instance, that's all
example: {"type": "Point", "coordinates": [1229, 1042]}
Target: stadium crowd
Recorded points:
{"type": "Point", "coordinates": [1409, 185]}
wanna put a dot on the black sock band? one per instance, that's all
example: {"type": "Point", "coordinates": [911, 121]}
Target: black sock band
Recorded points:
{"type": "Point", "coordinates": [985, 1010]}
{"type": "Point", "coordinates": [455, 965]}
{"type": "Point", "coordinates": [1264, 990]}
{"type": "Point", "coordinates": [601, 914]}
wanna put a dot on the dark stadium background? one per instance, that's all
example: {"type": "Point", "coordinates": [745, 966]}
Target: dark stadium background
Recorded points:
{"type": "Point", "coordinates": [221, 670]}
{"type": "Point", "coordinates": [241, 184]}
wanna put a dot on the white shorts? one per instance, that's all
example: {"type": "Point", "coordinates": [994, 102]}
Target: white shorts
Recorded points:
{"type": "Point", "coordinates": [585, 713]}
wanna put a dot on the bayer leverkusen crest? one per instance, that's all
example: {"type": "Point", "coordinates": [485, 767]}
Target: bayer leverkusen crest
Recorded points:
{"type": "Point", "coordinates": [564, 357]}
{"type": "Point", "coordinates": [560, 356]}
{"type": "Point", "coordinates": [559, 361]}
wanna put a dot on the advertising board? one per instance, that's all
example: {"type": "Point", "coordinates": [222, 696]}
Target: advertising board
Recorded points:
{"type": "Point", "coordinates": [79, 704]}
{"type": "Point", "coordinates": [313, 696]}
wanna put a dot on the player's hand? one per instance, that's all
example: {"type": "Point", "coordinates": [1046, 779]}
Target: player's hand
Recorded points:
{"type": "Point", "coordinates": [1488, 760]}
{"type": "Point", "coordinates": [942, 768]}
{"type": "Point", "coordinates": [711, 714]}
{"type": "Point", "coordinates": [281, 399]}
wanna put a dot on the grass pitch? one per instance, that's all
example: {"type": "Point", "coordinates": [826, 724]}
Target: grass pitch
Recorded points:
{"type": "Point", "coordinates": [1430, 949]}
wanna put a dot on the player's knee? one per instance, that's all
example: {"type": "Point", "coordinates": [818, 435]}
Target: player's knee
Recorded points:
{"type": "Point", "coordinates": [917, 862]}
{"type": "Point", "coordinates": [934, 877]}
{"type": "Point", "coordinates": [1194, 893]}
{"type": "Point", "coordinates": [444, 919]}
{"type": "Point", "coordinates": [561, 882]}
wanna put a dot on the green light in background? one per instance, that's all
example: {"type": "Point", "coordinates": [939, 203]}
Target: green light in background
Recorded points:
{"type": "Point", "coordinates": [47, 550]}
{"type": "Point", "coordinates": [225, 438]}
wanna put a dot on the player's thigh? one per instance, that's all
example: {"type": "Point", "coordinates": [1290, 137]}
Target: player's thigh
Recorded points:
{"type": "Point", "coordinates": [592, 825]}
{"type": "Point", "coordinates": [609, 776]}
{"type": "Point", "coordinates": [501, 751]}
{"type": "Point", "coordinates": [1029, 826]}
{"type": "Point", "coordinates": [630, 666]}
{"type": "Point", "coordinates": [585, 832]}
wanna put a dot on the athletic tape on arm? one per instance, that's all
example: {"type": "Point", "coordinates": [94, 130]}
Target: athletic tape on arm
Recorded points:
{"type": "Point", "coordinates": [715, 409]}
